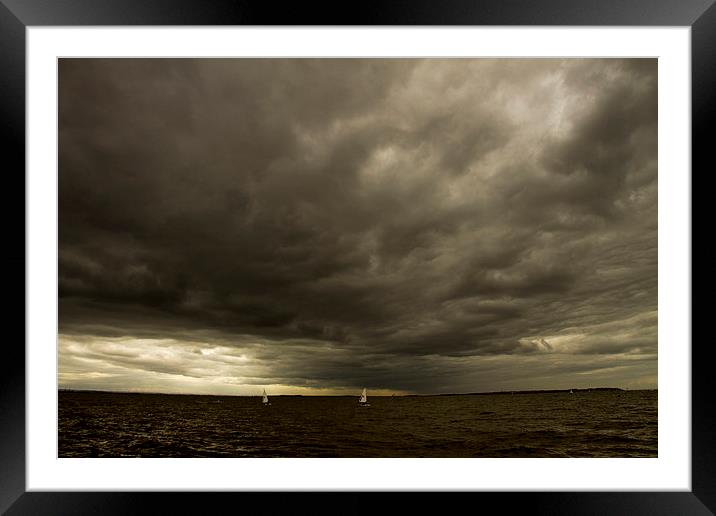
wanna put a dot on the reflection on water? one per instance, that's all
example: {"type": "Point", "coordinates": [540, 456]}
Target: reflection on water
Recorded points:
{"type": "Point", "coordinates": [584, 424]}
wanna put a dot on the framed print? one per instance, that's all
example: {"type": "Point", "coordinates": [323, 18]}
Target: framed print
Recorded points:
{"type": "Point", "coordinates": [407, 250]}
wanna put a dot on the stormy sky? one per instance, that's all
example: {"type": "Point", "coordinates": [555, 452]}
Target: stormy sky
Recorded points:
{"type": "Point", "coordinates": [319, 225]}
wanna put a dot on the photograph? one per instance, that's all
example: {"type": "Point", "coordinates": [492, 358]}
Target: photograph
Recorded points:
{"type": "Point", "coordinates": [357, 257]}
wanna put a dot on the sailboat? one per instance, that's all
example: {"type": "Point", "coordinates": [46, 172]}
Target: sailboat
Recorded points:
{"type": "Point", "coordinates": [570, 391]}
{"type": "Point", "coordinates": [265, 401]}
{"type": "Point", "coordinates": [363, 401]}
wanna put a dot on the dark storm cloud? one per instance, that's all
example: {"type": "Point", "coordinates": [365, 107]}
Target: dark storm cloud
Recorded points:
{"type": "Point", "coordinates": [394, 223]}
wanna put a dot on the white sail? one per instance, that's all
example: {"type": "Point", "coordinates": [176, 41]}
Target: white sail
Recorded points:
{"type": "Point", "coordinates": [363, 397]}
{"type": "Point", "coordinates": [265, 397]}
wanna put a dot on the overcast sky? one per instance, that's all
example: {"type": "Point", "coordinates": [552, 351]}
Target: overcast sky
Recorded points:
{"type": "Point", "coordinates": [317, 226]}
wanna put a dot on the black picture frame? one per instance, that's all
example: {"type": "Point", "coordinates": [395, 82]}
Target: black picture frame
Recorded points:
{"type": "Point", "coordinates": [17, 15]}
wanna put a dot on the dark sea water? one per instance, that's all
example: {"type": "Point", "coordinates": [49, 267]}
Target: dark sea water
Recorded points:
{"type": "Point", "coordinates": [583, 424]}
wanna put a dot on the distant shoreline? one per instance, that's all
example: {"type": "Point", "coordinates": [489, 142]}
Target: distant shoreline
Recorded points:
{"type": "Point", "coordinates": [536, 391]}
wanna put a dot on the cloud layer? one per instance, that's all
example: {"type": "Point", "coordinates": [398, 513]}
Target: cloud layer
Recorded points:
{"type": "Point", "coordinates": [412, 225]}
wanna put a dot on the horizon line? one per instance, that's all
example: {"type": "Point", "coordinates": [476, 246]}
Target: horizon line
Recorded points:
{"type": "Point", "coordinates": [522, 391]}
